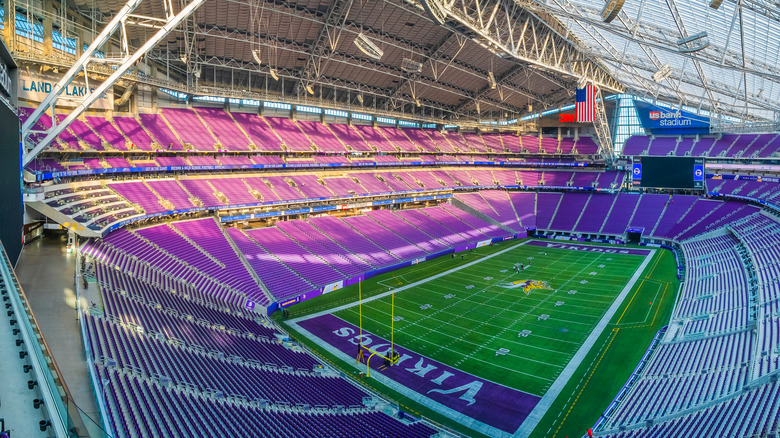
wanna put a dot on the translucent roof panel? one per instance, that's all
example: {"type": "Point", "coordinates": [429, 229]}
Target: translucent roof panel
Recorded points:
{"type": "Point", "coordinates": [737, 72]}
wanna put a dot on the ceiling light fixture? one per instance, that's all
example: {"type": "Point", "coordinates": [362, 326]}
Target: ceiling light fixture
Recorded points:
{"type": "Point", "coordinates": [662, 74]}
{"type": "Point", "coordinates": [492, 80]}
{"type": "Point", "coordinates": [611, 10]}
{"type": "Point", "coordinates": [368, 47]}
{"type": "Point", "coordinates": [411, 66]}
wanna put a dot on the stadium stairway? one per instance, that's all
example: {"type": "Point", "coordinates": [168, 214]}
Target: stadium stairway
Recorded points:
{"type": "Point", "coordinates": [474, 212]}
{"type": "Point", "coordinates": [584, 207]}
{"type": "Point", "coordinates": [169, 126]}
{"type": "Point", "coordinates": [176, 230]}
{"type": "Point", "coordinates": [246, 264]}
{"type": "Point", "coordinates": [60, 218]}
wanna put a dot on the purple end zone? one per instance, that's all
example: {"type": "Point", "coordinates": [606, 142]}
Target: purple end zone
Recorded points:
{"type": "Point", "coordinates": [590, 248]}
{"type": "Point", "coordinates": [482, 400]}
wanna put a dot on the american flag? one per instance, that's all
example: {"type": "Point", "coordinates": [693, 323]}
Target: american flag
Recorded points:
{"type": "Point", "coordinates": [586, 103]}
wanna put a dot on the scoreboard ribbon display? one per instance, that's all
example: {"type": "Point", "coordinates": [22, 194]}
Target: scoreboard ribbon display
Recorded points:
{"type": "Point", "coordinates": [698, 172]}
{"type": "Point", "coordinates": [636, 171]}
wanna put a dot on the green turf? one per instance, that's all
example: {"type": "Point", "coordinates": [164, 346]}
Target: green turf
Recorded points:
{"type": "Point", "coordinates": [466, 317]}
{"type": "Point", "coordinates": [467, 329]}
{"type": "Point", "coordinates": [616, 353]}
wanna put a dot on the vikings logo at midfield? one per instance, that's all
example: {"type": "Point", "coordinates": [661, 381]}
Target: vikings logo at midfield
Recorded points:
{"type": "Point", "coordinates": [526, 285]}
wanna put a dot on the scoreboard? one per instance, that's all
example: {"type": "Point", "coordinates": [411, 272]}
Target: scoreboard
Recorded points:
{"type": "Point", "coordinates": [668, 172]}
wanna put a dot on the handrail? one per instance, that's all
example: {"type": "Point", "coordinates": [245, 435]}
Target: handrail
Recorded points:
{"type": "Point", "coordinates": [43, 364]}
{"type": "Point", "coordinates": [64, 415]}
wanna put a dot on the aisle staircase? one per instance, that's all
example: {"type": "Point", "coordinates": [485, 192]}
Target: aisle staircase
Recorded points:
{"type": "Point", "coordinates": [584, 207]}
{"type": "Point", "coordinates": [280, 261]}
{"type": "Point", "coordinates": [474, 212]}
{"type": "Point", "coordinates": [187, 146]}
{"type": "Point", "coordinates": [609, 213]}
{"type": "Point", "coordinates": [246, 264]}
{"type": "Point", "coordinates": [217, 144]}
{"type": "Point", "coordinates": [164, 202]}
{"type": "Point", "coordinates": [193, 199]}
{"type": "Point", "coordinates": [252, 145]}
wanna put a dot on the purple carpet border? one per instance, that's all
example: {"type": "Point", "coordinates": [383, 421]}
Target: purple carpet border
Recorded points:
{"type": "Point", "coordinates": [482, 400]}
{"type": "Point", "coordinates": [589, 248]}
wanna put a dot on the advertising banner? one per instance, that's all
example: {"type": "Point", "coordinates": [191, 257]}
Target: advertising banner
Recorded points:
{"type": "Point", "coordinates": [34, 86]}
{"type": "Point", "coordinates": [664, 121]}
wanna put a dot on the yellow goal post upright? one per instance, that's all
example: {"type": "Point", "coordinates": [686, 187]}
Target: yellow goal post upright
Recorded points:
{"type": "Point", "coordinates": [393, 356]}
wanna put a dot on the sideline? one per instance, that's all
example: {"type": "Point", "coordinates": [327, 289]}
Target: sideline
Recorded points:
{"type": "Point", "coordinates": [536, 415]}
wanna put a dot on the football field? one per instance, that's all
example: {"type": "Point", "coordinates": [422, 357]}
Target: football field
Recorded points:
{"type": "Point", "coordinates": [507, 328]}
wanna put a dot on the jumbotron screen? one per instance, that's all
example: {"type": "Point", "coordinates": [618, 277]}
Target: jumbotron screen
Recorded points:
{"type": "Point", "coordinates": [669, 172]}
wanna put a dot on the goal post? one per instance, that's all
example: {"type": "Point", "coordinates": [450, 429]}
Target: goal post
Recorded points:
{"type": "Point", "coordinates": [393, 357]}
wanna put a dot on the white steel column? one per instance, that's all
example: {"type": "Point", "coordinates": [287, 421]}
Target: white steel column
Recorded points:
{"type": "Point", "coordinates": [126, 62]}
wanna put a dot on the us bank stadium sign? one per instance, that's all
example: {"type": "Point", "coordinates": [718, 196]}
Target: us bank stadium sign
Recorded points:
{"type": "Point", "coordinates": [5, 80]}
{"type": "Point", "coordinates": [665, 121]}
{"type": "Point", "coordinates": [669, 119]}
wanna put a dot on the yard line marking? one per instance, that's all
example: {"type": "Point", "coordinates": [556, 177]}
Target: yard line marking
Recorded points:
{"type": "Point", "coordinates": [411, 285]}
{"type": "Point", "coordinates": [573, 261]}
{"type": "Point", "coordinates": [536, 415]}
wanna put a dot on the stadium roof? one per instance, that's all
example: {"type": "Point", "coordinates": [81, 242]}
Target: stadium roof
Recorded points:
{"type": "Point", "coordinates": [537, 51]}
{"type": "Point", "coordinates": [740, 68]}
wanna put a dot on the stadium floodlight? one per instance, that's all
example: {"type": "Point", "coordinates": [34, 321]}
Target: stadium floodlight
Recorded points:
{"type": "Point", "coordinates": [530, 107]}
{"type": "Point", "coordinates": [417, 102]}
{"type": "Point", "coordinates": [368, 47]}
{"type": "Point", "coordinates": [436, 11]}
{"type": "Point", "coordinates": [411, 66]}
{"type": "Point", "coordinates": [693, 43]}
{"type": "Point", "coordinates": [256, 55]}
{"type": "Point", "coordinates": [310, 90]}
{"type": "Point", "coordinates": [492, 80]}
{"type": "Point", "coordinates": [183, 58]}
{"type": "Point", "coordinates": [715, 4]}
{"type": "Point", "coordinates": [360, 98]}
{"type": "Point", "coordinates": [611, 10]}
{"type": "Point", "coordinates": [274, 75]}
{"type": "Point", "coordinates": [662, 74]}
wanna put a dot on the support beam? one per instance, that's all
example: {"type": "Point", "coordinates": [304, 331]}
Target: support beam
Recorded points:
{"type": "Point", "coordinates": [433, 55]}
{"type": "Point", "coordinates": [128, 61]}
{"type": "Point", "coordinates": [508, 29]}
{"type": "Point", "coordinates": [51, 99]}
{"type": "Point", "coordinates": [327, 39]}
{"type": "Point", "coordinates": [601, 124]}
{"type": "Point", "coordinates": [684, 34]}
{"type": "Point", "coordinates": [353, 61]}
{"type": "Point", "coordinates": [502, 80]}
